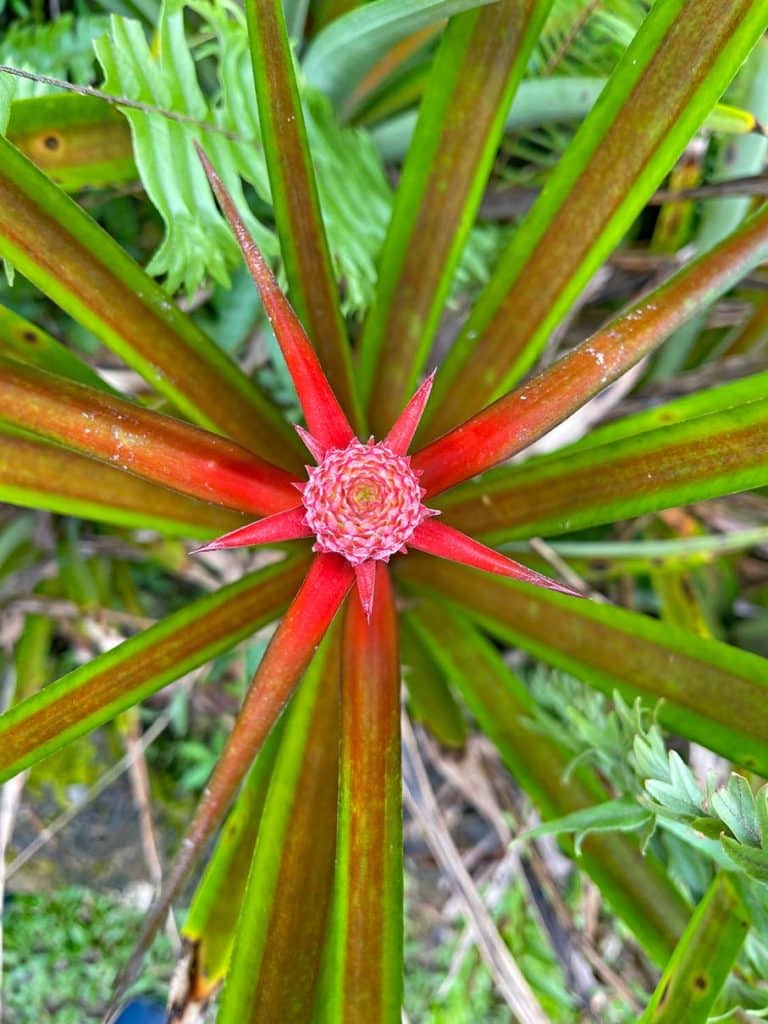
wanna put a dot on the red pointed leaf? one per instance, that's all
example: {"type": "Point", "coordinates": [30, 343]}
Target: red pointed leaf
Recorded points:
{"type": "Point", "coordinates": [325, 417]}
{"type": "Point", "coordinates": [313, 446]}
{"type": "Point", "coordinates": [288, 525]}
{"type": "Point", "coordinates": [151, 446]}
{"type": "Point", "coordinates": [41, 475]}
{"type": "Point", "coordinates": [365, 574]}
{"type": "Point", "coordinates": [401, 434]}
{"type": "Point", "coordinates": [445, 542]}
{"type": "Point", "coordinates": [327, 583]}
{"type": "Point", "coordinates": [521, 417]}
{"type": "Point", "coordinates": [368, 925]}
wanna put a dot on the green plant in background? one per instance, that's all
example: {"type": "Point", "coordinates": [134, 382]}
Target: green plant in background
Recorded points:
{"type": "Point", "coordinates": [300, 904]}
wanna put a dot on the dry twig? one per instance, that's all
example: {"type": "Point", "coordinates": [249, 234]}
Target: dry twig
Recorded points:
{"type": "Point", "coordinates": [421, 803]}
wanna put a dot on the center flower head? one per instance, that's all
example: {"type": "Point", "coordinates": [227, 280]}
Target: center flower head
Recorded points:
{"type": "Point", "coordinates": [363, 502]}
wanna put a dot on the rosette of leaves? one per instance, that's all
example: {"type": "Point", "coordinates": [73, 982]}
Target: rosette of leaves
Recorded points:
{"type": "Point", "coordinates": [301, 904]}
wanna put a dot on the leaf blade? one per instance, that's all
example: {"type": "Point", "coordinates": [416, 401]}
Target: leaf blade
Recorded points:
{"type": "Point", "coordinates": [58, 247]}
{"type": "Point", "coordinates": [94, 693]}
{"type": "Point", "coordinates": [707, 457]}
{"type": "Point", "coordinates": [152, 446]}
{"type": "Point", "coordinates": [277, 955]}
{"type": "Point", "coordinates": [294, 194]}
{"type": "Point", "coordinates": [522, 416]}
{"type": "Point", "coordinates": [613, 649]}
{"type": "Point", "coordinates": [34, 474]}
{"type": "Point", "coordinates": [366, 975]}
{"type": "Point", "coordinates": [703, 958]}
{"type": "Point", "coordinates": [670, 77]}
{"type": "Point", "coordinates": [634, 883]}
{"type": "Point", "coordinates": [481, 58]}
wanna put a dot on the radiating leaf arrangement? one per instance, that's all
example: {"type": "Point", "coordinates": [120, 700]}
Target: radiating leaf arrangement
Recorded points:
{"type": "Point", "coordinates": [393, 571]}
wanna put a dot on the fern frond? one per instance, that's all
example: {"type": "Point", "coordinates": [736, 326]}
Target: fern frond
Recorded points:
{"type": "Point", "coordinates": [62, 48]}
{"type": "Point", "coordinates": [197, 242]}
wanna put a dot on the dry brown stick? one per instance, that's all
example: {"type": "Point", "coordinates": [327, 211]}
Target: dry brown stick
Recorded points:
{"type": "Point", "coordinates": [142, 801]}
{"type": "Point", "coordinates": [421, 803]}
{"type": "Point", "coordinates": [583, 944]}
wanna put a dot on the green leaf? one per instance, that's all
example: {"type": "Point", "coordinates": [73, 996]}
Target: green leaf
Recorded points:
{"type": "Point", "coordinates": [35, 474]}
{"type": "Point", "coordinates": [31, 656]}
{"type": "Point", "coordinates": [79, 141]}
{"type": "Point", "coordinates": [702, 960]}
{"type": "Point", "coordinates": [742, 157]}
{"type": "Point", "coordinates": [280, 936]}
{"type": "Point", "coordinates": [197, 241]}
{"type": "Point", "coordinates": [364, 979]}
{"type": "Point", "coordinates": [689, 461]}
{"type": "Point", "coordinates": [30, 344]}
{"type": "Point", "coordinates": [710, 692]}
{"type": "Point", "coordinates": [734, 804]}
{"type": "Point", "coordinates": [61, 47]}
{"type": "Point", "coordinates": [612, 816]}
{"type": "Point", "coordinates": [55, 244]}
{"type": "Point", "coordinates": [303, 242]}
{"type": "Point", "coordinates": [761, 807]}
{"type": "Point", "coordinates": [669, 79]}
{"type": "Point", "coordinates": [94, 693]}
{"type": "Point", "coordinates": [633, 882]}
{"type": "Point", "coordinates": [541, 101]}
{"type": "Point", "coordinates": [481, 59]}
{"type": "Point", "coordinates": [526, 414]}
{"type": "Point", "coordinates": [340, 55]}
{"type": "Point", "coordinates": [754, 863]}
{"type": "Point", "coordinates": [430, 699]}
{"type": "Point", "coordinates": [700, 403]}
{"type": "Point", "coordinates": [678, 791]}
{"type": "Point", "coordinates": [211, 923]}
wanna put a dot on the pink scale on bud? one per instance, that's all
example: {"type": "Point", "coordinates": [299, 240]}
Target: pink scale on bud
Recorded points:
{"type": "Point", "coordinates": [363, 502]}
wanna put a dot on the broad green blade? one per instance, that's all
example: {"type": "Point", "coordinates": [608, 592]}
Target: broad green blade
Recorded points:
{"type": "Point", "coordinates": [155, 447]}
{"type": "Point", "coordinates": [65, 253]}
{"type": "Point", "coordinates": [538, 101]}
{"type": "Point", "coordinates": [284, 916]}
{"type": "Point", "coordinates": [79, 141]}
{"type": "Point", "coordinates": [700, 403]}
{"type": "Point", "coordinates": [211, 923]}
{"type": "Point", "coordinates": [752, 336]}
{"type": "Point", "coordinates": [339, 57]}
{"type": "Point", "coordinates": [28, 343]}
{"type": "Point", "coordinates": [430, 699]}
{"type": "Point", "coordinates": [94, 693]}
{"type": "Point", "coordinates": [311, 284]}
{"type": "Point", "coordinates": [703, 458]}
{"type": "Point", "coordinates": [741, 158]}
{"type": "Point", "coordinates": [365, 975]}
{"type": "Point", "coordinates": [703, 958]}
{"type": "Point", "coordinates": [669, 79]}
{"type": "Point", "coordinates": [35, 474]}
{"type": "Point", "coordinates": [322, 12]}
{"type": "Point", "coordinates": [512, 423]}
{"type": "Point", "coordinates": [706, 691]}
{"type": "Point", "coordinates": [31, 656]}
{"type": "Point", "coordinates": [634, 883]}
{"type": "Point", "coordinates": [481, 59]}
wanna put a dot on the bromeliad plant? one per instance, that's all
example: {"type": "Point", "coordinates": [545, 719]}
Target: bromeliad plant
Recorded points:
{"type": "Point", "coordinates": [317, 812]}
